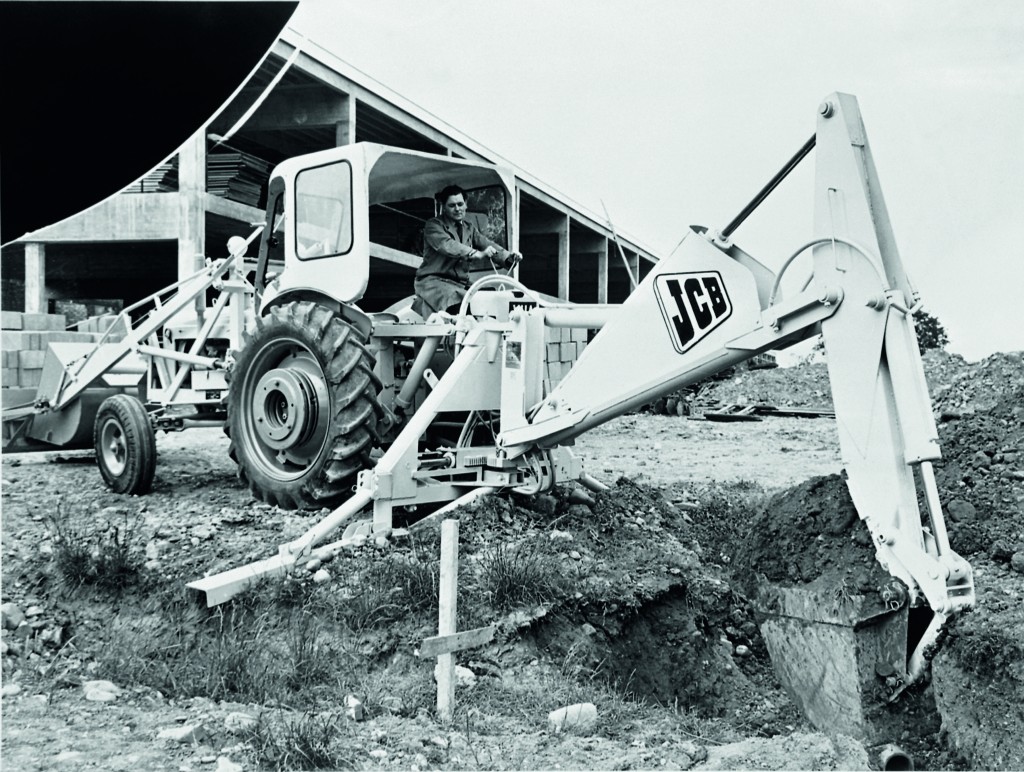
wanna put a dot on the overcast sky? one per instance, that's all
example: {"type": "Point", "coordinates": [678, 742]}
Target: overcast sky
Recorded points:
{"type": "Point", "coordinates": [675, 112]}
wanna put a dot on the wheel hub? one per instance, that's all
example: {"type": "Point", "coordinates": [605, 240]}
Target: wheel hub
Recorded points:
{"type": "Point", "coordinates": [288, 408]}
{"type": "Point", "coordinates": [112, 445]}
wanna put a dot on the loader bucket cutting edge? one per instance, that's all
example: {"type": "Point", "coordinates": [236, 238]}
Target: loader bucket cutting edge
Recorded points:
{"type": "Point", "coordinates": [829, 651]}
{"type": "Point", "coordinates": [70, 428]}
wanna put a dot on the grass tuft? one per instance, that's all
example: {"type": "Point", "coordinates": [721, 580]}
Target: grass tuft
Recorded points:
{"type": "Point", "coordinates": [390, 588]}
{"type": "Point", "coordinates": [518, 575]}
{"type": "Point", "coordinates": [107, 555]}
{"type": "Point", "coordinates": [308, 741]}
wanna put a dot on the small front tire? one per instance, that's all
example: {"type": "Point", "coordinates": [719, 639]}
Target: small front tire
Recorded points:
{"type": "Point", "coordinates": [125, 445]}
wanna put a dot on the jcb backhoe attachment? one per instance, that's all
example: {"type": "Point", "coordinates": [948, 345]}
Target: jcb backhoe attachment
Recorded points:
{"type": "Point", "coordinates": [710, 306]}
{"type": "Point", "coordinates": [707, 307]}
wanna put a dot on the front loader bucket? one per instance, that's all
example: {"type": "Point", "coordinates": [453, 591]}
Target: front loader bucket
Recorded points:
{"type": "Point", "coordinates": [833, 653]}
{"type": "Point", "coordinates": [70, 426]}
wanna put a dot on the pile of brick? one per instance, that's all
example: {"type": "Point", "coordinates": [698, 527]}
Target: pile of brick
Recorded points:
{"type": "Point", "coordinates": [26, 337]}
{"type": "Point", "coordinates": [97, 324]}
{"type": "Point", "coordinates": [564, 346]}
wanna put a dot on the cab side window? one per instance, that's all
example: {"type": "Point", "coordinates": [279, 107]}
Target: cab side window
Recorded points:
{"type": "Point", "coordinates": [323, 211]}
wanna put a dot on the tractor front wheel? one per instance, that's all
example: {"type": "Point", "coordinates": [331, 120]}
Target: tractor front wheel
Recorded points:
{"type": "Point", "coordinates": [125, 445]}
{"type": "Point", "coordinates": [302, 407]}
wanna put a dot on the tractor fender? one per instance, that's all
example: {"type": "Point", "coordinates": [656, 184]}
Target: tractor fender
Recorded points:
{"type": "Point", "coordinates": [354, 316]}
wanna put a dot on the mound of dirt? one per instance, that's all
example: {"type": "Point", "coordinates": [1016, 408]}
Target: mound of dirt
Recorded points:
{"type": "Point", "coordinates": [978, 674]}
{"type": "Point", "coordinates": [954, 384]}
{"type": "Point", "coordinates": [958, 387]}
{"type": "Point", "coordinates": [635, 602]}
{"type": "Point", "coordinates": [802, 385]}
{"type": "Point", "coordinates": [811, 535]}
{"type": "Point", "coordinates": [981, 475]}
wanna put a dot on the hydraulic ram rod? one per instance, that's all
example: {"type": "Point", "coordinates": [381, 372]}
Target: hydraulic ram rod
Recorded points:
{"type": "Point", "coordinates": [768, 188]}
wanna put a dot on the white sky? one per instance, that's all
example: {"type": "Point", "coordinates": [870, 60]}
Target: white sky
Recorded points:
{"type": "Point", "coordinates": [676, 112]}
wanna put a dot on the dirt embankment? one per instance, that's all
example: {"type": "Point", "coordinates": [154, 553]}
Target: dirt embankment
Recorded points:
{"type": "Point", "coordinates": [649, 597]}
{"type": "Point", "coordinates": [979, 671]}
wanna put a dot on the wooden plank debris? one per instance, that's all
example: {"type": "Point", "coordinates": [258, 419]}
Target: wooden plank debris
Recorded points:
{"type": "Point", "coordinates": [755, 412]}
{"type": "Point", "coordinates": [467, 639]}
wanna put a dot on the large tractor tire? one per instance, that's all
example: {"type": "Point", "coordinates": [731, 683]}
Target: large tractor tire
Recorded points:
{"type": "Point", "coordinates": [125, 445]}
{"type": "Point", "coordinates": [302, 407]}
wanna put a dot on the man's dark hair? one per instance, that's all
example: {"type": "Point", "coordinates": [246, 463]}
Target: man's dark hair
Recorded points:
{"type": "Point", "coordinates": [448, 191]}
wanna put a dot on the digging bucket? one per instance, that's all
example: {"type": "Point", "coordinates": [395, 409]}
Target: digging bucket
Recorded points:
{"type": "Point", "coordinates": [837, 655]}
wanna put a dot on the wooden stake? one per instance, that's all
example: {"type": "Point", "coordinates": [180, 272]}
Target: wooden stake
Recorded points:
{"type": "Point", "coordinates": [447, 641]}
{"type": "Point", "coordinates": [446, 614]}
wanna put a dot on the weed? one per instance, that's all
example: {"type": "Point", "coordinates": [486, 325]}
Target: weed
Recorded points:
{"type": "Point", "coordinates": [248, 650]}
{"type": "Point", "coordinates": [222, 655]}
{"type": "Point", "coordinates": [291, 591]}
{"type": "Point", "coordinates": [310, 658]}
{"type": "Point", "coordinates": [843, 596]}
{"type": "Point", "coordinates": [308, 741]}
{"type": "Point", "coordinates": [390, 588]}
{"type": "Point", "coordinates": [106, 555]}
{"type": "Point", "coordinates": [518, 575]}
{"type": "Point", "coordinates": [704, 729]}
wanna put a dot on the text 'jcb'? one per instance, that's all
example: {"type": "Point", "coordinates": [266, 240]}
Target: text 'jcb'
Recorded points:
{"type": "Point", "coordinates": [693, 304]}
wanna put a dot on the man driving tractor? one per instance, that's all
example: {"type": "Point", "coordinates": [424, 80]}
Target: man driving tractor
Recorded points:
{"type": "Point", "coordinates": [452, 246]}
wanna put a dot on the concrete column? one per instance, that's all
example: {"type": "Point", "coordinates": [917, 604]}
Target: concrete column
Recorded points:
{"type": "Point", "coordinates": [602, 273]}
{"type": "Point", "coordinates": [35, 278]}
{"type": "Point", "coordinates": [345, 128]}
{"type": "Point", "coordinates": [191, 210]}
{"type": "Point", "coordinates": [563, 259]}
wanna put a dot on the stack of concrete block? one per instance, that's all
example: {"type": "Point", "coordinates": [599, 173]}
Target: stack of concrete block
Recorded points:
{"type": "Point", "coordinates": [564, 346]}
{"type": "Point", "coordinates": [98, 324]}
{"type": "Point", "coordinates": [25, 339]}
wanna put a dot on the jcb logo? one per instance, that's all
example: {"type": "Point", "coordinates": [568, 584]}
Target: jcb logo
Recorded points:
{"type": "Point", "coordinates": [693, 304]}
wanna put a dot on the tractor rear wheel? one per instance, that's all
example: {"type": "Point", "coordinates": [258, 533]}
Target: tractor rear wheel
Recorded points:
{"type": "Point", "coordinates": [125, 445]}
{"type": "Point", "coordinates": [302, 407]}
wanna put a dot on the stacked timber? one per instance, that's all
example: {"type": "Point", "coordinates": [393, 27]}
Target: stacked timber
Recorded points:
{"type": "Point", "coordinates": [163, 179]}
{"type": "Point", "coordinates": [237, 176]}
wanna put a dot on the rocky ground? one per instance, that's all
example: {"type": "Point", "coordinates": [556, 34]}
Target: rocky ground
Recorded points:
{"type": "Point", "coordinates": [635, 601]}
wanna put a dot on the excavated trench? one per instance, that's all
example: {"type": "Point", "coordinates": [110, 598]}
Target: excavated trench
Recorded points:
{"type": "Point", "coordinates": [697, 642]}
{"type": "Point", "coordinates": [667, 652]}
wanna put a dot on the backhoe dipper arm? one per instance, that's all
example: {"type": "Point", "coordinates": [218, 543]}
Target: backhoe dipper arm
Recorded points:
{"type": "Point", "coordinates": [710, 306]}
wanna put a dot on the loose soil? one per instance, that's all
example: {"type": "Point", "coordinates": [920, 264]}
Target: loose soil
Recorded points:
{"type": "Point", "coordinates": [648, 595]}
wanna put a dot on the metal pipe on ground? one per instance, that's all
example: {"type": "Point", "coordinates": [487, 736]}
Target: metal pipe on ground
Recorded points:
{"type": "Point", "coordinates": [892, 757]}
{"type": "Point", "coordinates": [593, 484]}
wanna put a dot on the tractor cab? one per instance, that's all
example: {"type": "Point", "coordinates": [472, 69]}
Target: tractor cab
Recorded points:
{"type": "Point", "coordinates": [342, 218]}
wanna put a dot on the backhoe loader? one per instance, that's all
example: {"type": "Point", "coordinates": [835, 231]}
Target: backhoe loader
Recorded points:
{"type": "Point", "coordinates": [382, 414]}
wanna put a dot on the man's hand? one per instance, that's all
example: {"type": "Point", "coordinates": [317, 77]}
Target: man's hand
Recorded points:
{"type": "Point", "coordinates": [488, 252]}
{"type": "Point", "coordinates": [513, 259]}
